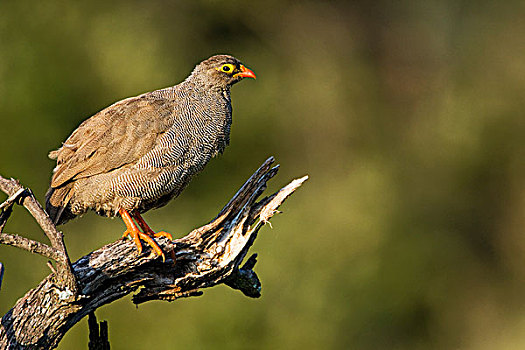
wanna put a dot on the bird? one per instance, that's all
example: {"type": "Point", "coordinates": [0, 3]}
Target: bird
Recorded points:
{"type": "Point", "coordinates": [141, 152]}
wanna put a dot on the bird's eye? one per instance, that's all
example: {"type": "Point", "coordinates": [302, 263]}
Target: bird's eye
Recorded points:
{"type": "Point", "coordinates": [227, 68]}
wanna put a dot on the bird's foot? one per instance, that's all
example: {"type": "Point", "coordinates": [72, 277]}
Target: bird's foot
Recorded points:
{"type": "Point", "coordinates": [133, 231]}
{"type": "Point", "coordinates": [147, 230]}
{"type": "Point", "coordinates": [161, 234]}
{"type": "Point", "coordinates": [136, 235]}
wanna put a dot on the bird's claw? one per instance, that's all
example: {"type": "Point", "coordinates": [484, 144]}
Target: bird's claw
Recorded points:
{"type": "Point", "coordinates": [163, 234]}
{"type": "Point", "coordinates": [135, 236]}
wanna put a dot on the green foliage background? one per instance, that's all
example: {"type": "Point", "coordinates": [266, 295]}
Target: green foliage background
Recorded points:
{"type": "Point", "coordinates": [407, 115]}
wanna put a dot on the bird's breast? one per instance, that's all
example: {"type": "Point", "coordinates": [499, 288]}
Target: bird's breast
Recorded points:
{"type": "Point", "coordinates": [200, 130]}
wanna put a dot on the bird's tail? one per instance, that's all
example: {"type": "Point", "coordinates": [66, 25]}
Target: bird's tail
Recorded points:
{"type": "Point", "coordinates": [57, 204]}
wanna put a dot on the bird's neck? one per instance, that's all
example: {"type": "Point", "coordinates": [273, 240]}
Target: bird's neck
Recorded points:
{"type": "Point", "coordinates": [200, 82]}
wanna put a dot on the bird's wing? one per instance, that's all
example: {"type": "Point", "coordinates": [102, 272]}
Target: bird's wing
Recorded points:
{"type": "Point", "coordinates": [115, 137]}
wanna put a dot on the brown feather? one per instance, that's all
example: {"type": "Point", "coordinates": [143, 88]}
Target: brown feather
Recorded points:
{"type": "Point", "coordinates": [116, 136]}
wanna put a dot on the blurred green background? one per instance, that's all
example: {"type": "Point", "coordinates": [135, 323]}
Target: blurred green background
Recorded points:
{"type": "Point", "coordinates": [407, 115]}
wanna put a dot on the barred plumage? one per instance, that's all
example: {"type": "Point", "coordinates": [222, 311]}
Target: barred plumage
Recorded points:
{"type": "Point", "coordinates": [140, 152]}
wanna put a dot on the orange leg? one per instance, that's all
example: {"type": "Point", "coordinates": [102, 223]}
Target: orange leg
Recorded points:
{"type": "Point", "coordinates": [133, 231]}
{"type": "Point", "coordinates": [146, 229]}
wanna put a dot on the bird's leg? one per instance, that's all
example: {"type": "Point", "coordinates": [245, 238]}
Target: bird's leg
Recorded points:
{"type": "Point", "coordinates": [146, 229]}
{"type": "Point", "coordinates": [131, 228]}
{"type": "Point", "coordinates": [133, 231]}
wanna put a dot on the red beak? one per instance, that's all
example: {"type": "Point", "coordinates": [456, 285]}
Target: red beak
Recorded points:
{"type": "Point", "coordinates": [246, 73]}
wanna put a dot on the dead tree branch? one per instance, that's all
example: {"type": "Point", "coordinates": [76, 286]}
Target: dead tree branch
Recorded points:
{"type": "Point", "coordinates": [31, 246]}
{"type": "Point", "coordinates": [207, 256]}
{"type": "Point", "coordinates": [98, 333]}
{"type": "Point", "coordinates": [65, 279]}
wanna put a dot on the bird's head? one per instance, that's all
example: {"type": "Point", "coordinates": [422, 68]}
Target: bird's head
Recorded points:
{"type": "Point", "coordinates": [221, 71]}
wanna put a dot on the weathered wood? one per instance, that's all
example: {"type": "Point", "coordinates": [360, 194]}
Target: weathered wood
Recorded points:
{"type": "Point", "coordinates": [98, 334]}
{"type": "Point", "coordinates": [65, 279]}
{"type": "Point", "coordinates": [207, 256]}
{"type": "Point", "coordinates": [31, 246]}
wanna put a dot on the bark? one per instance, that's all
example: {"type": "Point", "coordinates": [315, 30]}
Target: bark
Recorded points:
{"type": "Point", "coordinates": [98, 334]}
{"type": "Point", "coordinates": [65, 278]}
{"type": "Point", "coordinates": [207, 256]}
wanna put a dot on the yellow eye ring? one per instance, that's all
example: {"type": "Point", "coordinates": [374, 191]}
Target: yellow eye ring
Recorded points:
{"type": "Point", "coordinates": [227, 68]}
